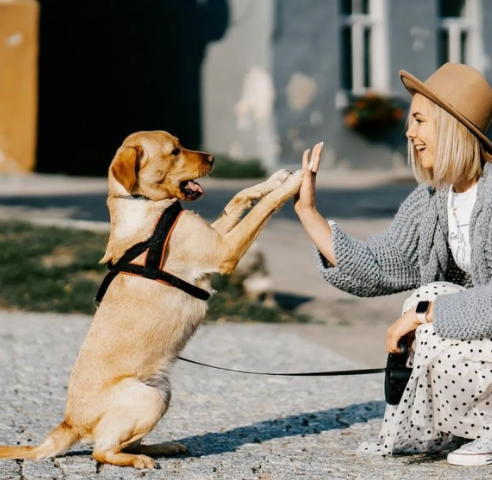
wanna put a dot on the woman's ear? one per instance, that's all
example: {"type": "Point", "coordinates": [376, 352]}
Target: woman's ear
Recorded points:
{"type": "Point", "coordinates": [124, 166]}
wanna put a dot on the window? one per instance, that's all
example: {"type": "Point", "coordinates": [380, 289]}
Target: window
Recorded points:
{"type": "Point", "coordinates": [460, 32]}
{"type": "Point", "coordinates": [363, 40]}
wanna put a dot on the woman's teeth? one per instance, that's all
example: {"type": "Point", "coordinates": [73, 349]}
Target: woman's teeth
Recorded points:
{"type": "Point", "coordinates": [420, 148]}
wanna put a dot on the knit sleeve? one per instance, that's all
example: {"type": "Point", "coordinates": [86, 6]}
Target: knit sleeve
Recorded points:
{"type": "Point", "coordinates": [387, 263]}
{"type": "Point", "coordinates": [465, 315]}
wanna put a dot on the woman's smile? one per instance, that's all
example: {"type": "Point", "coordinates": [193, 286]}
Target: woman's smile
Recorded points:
{"type": "Point", "coordinates": [421, 131]}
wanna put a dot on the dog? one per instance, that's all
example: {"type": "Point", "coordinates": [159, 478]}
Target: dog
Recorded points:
{"type": "Point", "coordinates": [119, 388]}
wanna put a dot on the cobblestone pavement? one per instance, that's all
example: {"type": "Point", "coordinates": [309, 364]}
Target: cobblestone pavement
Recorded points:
{"type": "Point", "coordinates": [235, 426]}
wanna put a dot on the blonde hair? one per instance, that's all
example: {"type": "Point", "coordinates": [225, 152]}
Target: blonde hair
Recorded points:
{"type": "Point", "coordinates": [459, 155]}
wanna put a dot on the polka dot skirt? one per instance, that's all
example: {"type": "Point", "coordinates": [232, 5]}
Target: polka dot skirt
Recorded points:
{"type": "Point", "coordinates": [449, 392]}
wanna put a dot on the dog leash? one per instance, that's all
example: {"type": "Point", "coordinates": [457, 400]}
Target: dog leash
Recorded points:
{"type": "Point", "coordinates": [396, 372]}
{"type": "Point", "coordinates": [336, 373]}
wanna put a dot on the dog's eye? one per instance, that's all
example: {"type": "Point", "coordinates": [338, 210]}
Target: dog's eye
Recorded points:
{"type": "Point", "coordinates": [176, 151]}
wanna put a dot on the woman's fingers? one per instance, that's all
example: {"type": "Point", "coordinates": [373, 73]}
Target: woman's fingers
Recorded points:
{"type": "Point", "coordinates": [312, 164]}
{"type": "Point", "coordinates": [305, 159]}
{"type": "Point", "coordinates": [306, 181]}
{"type": "Point", "coordinates": [315, 158]}
{"type": "Point", "coordinates": [404, 325]}
{"type": "Point", "coordinates": [392, 339]}
{"type": "Point", "coordinates": [305, 197]}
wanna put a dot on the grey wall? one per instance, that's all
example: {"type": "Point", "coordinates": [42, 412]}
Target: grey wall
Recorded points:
{"type": "Point", "coordinates": [412, 32]}
{"type": "Point", "coordinates": [306, 49]}
{"type": "Point", "coordinates": [272, 85]}
{"type": "Point", "coordinates": [305, 59]}
{"type": "Point", "coordinates": [487, 35]}
{"type": "Point", "coordinates": [238, 89]}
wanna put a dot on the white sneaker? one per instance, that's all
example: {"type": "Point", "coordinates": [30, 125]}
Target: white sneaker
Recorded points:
{"type": "Point", "coordinates": [478, 452]}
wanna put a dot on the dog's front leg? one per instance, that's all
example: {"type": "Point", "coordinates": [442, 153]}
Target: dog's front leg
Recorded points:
{"type": "Point", "coordinates": [234, 244]}
{"type": "Point", "coordinates": [234, 210]}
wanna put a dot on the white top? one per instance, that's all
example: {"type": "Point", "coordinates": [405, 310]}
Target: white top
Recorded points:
{"type": "Point", "coordinates": [460, 206]}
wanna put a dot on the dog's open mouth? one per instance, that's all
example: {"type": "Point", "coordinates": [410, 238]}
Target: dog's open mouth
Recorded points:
{"type": "Point", "coordinates": [191, 189]}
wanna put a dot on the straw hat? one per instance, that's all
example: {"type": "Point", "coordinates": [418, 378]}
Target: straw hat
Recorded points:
{"type": "Point", "coordinates": [462, 91]}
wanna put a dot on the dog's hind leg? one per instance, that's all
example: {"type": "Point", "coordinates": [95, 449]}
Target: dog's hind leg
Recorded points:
{"type": "Point", "coordinates": [116, 457]}
{"type": "Point", "coordinates": [117, 430]}
{"type": "Point", "coordinates": [234, 210]}
{"type": "Point", "coordinates": [126, 424]}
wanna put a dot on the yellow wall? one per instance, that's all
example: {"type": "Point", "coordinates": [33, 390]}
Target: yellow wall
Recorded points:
{"type": "Point", "coordinates": [18, 84]}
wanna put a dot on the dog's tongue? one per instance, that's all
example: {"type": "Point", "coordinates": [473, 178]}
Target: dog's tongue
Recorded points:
{"type": "Point", "coordinates": [195, 187]}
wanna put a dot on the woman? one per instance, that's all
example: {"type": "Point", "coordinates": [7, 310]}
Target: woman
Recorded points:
{"type": "Point", "coordinates": [442, 233]}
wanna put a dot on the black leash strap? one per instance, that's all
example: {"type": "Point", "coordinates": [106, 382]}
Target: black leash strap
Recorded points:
{"type": "Point", "coordinates": [338, 373]}
{"type": "Point", "coordinates": [156, 246]}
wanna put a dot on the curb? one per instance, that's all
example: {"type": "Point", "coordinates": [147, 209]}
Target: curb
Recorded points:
{"type": "Point", "coordinates": [103, 227]}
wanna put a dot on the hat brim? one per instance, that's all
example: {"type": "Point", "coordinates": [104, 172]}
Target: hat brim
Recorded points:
{"type": "Point", "coordinates": [414, 85]}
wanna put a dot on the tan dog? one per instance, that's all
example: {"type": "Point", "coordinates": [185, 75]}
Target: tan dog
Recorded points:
{"type": "Point", "coordinates": [119, 387]}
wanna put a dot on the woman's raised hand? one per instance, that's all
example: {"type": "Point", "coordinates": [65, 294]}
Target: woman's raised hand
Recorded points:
{"type": "Point", "coordinates": [305, 206]}
{"type": "Point", "coordinates": [304, 201]}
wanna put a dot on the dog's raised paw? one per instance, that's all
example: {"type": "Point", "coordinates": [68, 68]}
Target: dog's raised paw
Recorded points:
{"type": "Point", "coordinates": [280, 177]}
{"type": "Point", "coordinates": [293, 183]}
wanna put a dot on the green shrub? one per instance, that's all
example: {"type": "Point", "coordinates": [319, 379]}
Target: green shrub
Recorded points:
{"type": "Point", "coordinates": [225, 167]}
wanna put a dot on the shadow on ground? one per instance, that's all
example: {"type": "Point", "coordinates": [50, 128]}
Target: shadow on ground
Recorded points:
{"type": "Point", "coordinates": [290, 301]}
{"type": "Point", "coordinates": [310, 423]}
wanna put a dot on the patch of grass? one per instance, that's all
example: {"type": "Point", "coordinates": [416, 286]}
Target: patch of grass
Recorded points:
{"type": "Point", "coordinates": [231, 304]}
{"type": "Point", "coordinates": [225, 167]}
{"type": "Point", "coordinates": [48, 269]}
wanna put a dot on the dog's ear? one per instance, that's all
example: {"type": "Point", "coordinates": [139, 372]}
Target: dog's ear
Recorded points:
{"type": "Point", "coordinates": [125, 165]}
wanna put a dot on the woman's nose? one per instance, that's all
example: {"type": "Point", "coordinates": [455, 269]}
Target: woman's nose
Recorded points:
{"type": "Point", "coordinates": [410, 133]}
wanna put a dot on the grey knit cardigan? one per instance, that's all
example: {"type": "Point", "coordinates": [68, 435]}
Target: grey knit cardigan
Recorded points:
{"type": "Point", "coordinates": [414, 251]}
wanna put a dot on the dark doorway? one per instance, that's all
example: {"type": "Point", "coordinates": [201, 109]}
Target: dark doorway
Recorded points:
{"type": "Point", "coordinates": [113, 67]}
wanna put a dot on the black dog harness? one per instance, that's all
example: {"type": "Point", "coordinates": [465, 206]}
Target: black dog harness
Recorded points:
{"type": "Point", "coordinates": [155, 247]}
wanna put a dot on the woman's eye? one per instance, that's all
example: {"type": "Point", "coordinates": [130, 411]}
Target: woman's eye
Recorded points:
{"type": "Point", "coordinates": [418, 120]}
{"type": "Point", "coordinates": [176, 151]}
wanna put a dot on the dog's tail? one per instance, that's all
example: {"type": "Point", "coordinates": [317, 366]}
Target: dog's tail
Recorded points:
{"type": "Point", "coordinates": [57, 442]}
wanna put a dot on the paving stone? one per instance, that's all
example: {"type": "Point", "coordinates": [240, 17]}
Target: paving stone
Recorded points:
{"type": "Point", "coordinates": [235, 426]}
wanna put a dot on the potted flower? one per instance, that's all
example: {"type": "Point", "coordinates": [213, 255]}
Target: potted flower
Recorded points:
{"type": "Point", "coordinates": [372, 111]}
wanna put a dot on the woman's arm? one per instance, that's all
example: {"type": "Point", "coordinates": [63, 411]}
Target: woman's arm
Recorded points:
{"type": "Point", "coordinates": [465, 315]}
{"type": "Point", "coordinates": [305, 206]}
{"type": "Point", "coordinates": [385, 264]}
{"type": "Point", "coordinates": [407, 323]}
{"type": "Point", "coordinates": [320, 233]}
